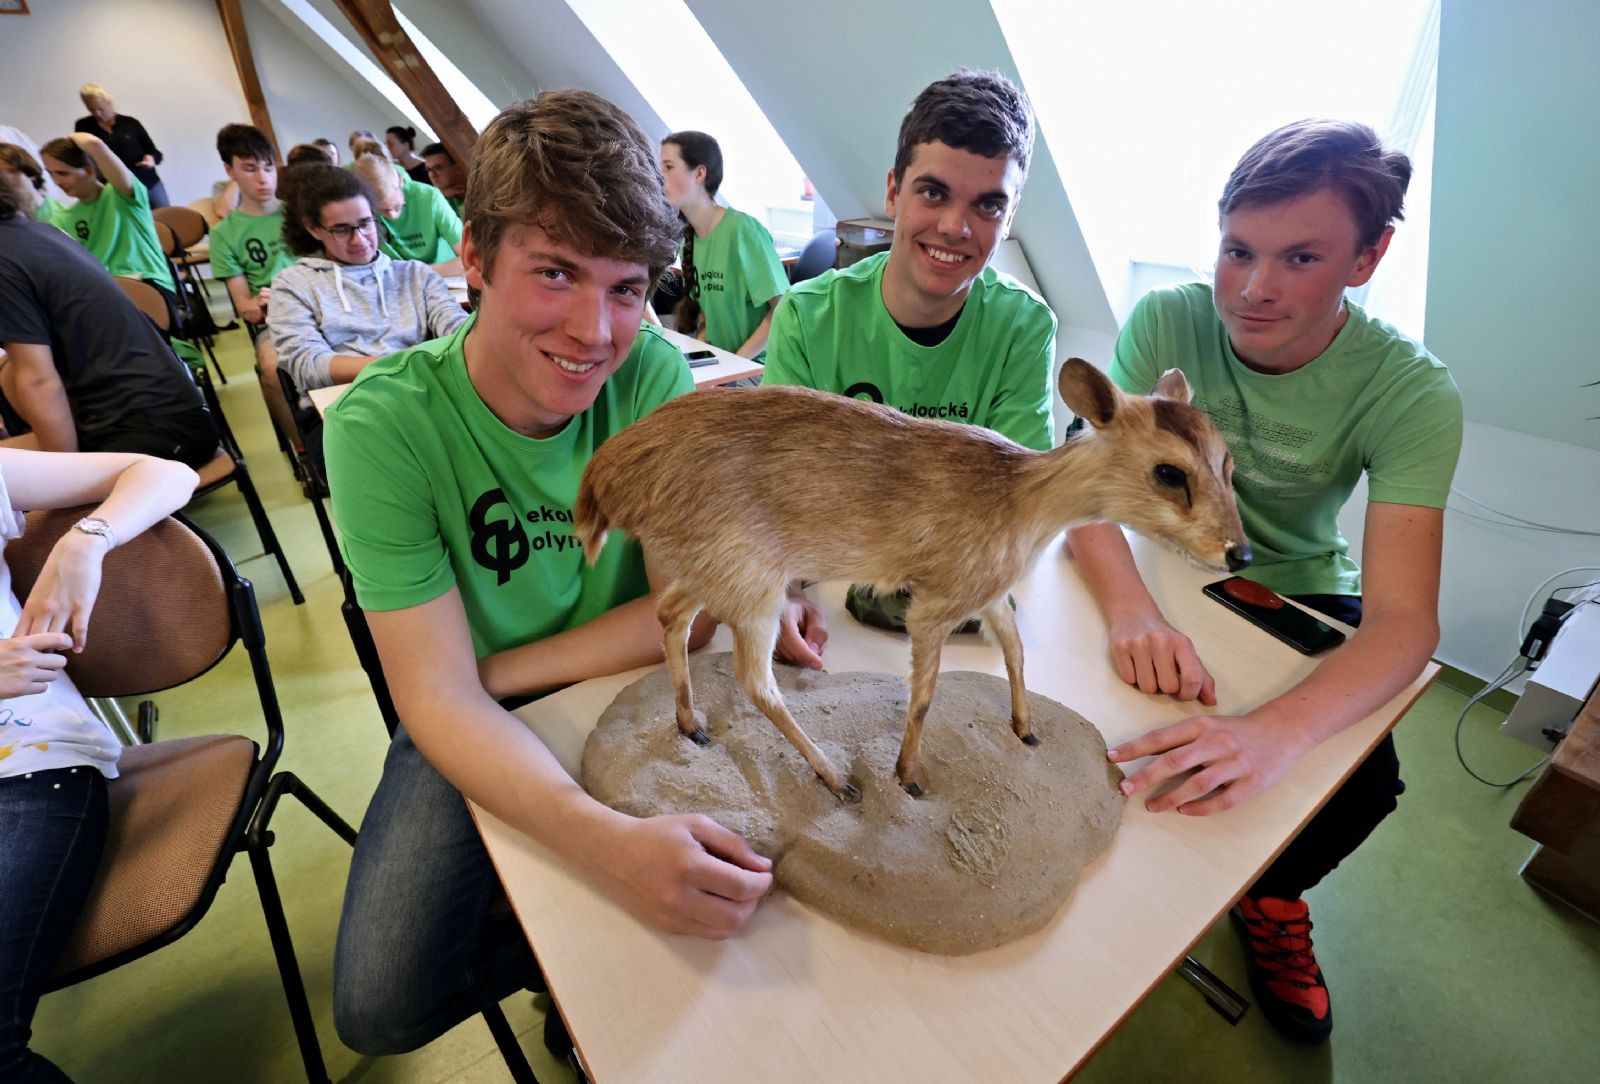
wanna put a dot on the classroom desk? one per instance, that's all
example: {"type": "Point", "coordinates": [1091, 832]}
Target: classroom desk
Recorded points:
{"type": "Point", "coordinates": [798, 997]}
{"type": "Point", "coordinates": [728, 368]}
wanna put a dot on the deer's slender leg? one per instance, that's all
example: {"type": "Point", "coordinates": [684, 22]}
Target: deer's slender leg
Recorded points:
{"type": "Point", "coordinates": [927, 642]}
{"type": "Point", "coordinates": [677, 612]}
{"type": "Point", "coordinates": [752, 662]}
{"type": "Point", "coordinates": [1001, 624]}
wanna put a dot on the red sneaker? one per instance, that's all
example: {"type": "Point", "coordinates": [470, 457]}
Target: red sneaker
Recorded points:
{"type": "Point", "coordinates": [1284, 975]}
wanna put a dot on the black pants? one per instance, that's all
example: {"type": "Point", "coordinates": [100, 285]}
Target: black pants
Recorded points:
{"type": "Point", "coordinates": [190, 437]}
{"type": "Point", "coordinates": [1355, 809]}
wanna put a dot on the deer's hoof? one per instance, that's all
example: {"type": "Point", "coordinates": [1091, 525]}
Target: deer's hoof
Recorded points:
{"type": "Point", "coordinates": [914, 790]}
{"type": "Point", "coordinates": [849, 793]}
{"type": "Point", "coordinates": [700, 737]}
{"type": "Point", "coordinates": [1030, 739]}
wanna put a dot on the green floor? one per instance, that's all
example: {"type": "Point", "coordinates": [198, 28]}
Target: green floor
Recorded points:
{"type": "Point", "coordinates": [1443, 965]}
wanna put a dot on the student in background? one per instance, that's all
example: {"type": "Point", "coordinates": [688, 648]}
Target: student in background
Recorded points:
{"type": "Point", "coordinates": [39, 205]}
{"type": "Point", "coordinates": [731, 272]}
{"type": "Point", "coordinates": [84, 367]}
{"type": "Point", "coordinates": [418, 223]}
{"type": "Point", "coordinates": [360, 135]}
{"type": "Point", "coordinates": [402, 145]}
{"type": "Point", "coordinates": [55, 754]}
{"type": "Point", "coordinates": [929, 327]}
{"type": "Point", "coordinates": [1312, 394]}
{"type": "Point", "coordinates": [247, 249]}
{"type": "Point", "coordinates": [330, 148]}
{"type": "Point", "coordinates": [344, 303]}
{"type": "Point", "coordinates": [125, 136]}
{"type": "Point", "coordinates": [112, 217]}
{"type": "Point", "coordinates": [447, 175]}
{"type": "Point", "coordinates": [302, 153]}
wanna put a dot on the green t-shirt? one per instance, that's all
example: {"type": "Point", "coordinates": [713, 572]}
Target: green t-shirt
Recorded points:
{"type": "Point", "coordinates": [432, 490]}
{"type": "Point", "coordinates": [458, 205]}
{"type": "Point", "coordinates": [250, 245]}
{"type": "Point", "coordinates": [1373, 401]}
{"type": "Point", "coordinates": [426, 229]}
{"type": "Point", "coordinates": [739, 273]}
{"type": "Point", "coordinates": [120, 233]}
{"type": "Point", "coordinates": [833, 333]}
{"type": "Point", "coordinates": [49, 211]}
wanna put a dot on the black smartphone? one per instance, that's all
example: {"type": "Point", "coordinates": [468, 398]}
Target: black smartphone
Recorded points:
{"type": "Point", "coordinates": [1266, 608]}
{"type": "Point", "coordinates": [697, 358]}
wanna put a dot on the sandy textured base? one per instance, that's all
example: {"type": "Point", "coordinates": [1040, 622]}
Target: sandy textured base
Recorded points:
{"type": "Point", "coordinates": [989, 853]}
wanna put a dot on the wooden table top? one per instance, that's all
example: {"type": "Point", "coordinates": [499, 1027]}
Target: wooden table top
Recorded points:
{"type": "Point", "coordinates": [797, 996]}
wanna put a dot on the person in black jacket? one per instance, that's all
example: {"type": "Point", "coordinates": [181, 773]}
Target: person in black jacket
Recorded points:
{"type": "Point", "coordinates": [126, 137]}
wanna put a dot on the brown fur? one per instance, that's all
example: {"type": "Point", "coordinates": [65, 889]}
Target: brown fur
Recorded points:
{"type": "Point", "coordinates": [735, 493]}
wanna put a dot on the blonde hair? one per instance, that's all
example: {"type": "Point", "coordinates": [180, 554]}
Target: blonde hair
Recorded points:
{"type": "Point", "coordinates": [378, 173]}
{"type": "Point", "coordinates": [95, 90]}
{"type": "Point", "coordinates": [580, 169]}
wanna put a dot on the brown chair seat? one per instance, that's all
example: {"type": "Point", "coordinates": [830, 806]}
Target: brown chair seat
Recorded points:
{"type": "Point", "coordinates": [171, 809]}
{"type": "Point", "coordinates": [219, 469]}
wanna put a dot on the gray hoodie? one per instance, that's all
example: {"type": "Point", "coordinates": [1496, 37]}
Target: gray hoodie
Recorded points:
{"type": "Point", "coordinates": [321, 308]}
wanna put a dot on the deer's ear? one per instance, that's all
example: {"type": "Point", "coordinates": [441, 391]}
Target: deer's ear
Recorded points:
{"type": "Point", "coordinates": [1089, 392]}
{"type": "Point", "coordinates": [1172, 385]}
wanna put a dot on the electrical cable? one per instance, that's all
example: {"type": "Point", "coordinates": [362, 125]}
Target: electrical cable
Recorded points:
{"type": "Point", "coordinates": [1511, 671]}
{"type": "Point", "coordinates": [1527, 611]}
{"type": "Point", "coordinates": [1518, 520]}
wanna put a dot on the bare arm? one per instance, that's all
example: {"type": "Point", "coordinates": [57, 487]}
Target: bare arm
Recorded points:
{"type": "Point", "coordinates": [33, 386]}
{"type": "Point", "coordinates": [111, 167]}
{"type": "Point", "coordinates": [133, 491]}
{"type": "Point", "coordinates": [251, 308]}
{"type": "Point", "coordinates": [757, 341]}
{"type": "Point", "coordinates": [619, 639]}
{"type": "Point", "coordinates": [224, 203]}
{"type": "Point", "coordinates": [1145, 650]}
{"type": "Point", "coordinates": [683, 874]}
{"type": "Point", "coordinates": [1242, 755]}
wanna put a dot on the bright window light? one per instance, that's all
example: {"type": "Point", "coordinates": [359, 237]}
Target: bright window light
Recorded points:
{"type": "Point", "coordinates": [1147, 106]}
{"type": "Point", "coordinates": [471, 101]}
{"type": "Point", "coordinates": [683, 75]}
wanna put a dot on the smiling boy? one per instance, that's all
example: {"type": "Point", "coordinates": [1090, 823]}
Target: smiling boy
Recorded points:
{"type": "Point", "coordinates": [450, 463]}
{"type": "Point", "coordinates": [1311, 393]}
{"type": "Point", "coordinates": [930, 328]}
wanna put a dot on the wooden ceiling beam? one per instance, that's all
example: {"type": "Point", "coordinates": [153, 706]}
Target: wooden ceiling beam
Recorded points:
{"type": "Point", "coordinates": [244, 62]}
{"type": "Point", "coordinates": [375, 21]}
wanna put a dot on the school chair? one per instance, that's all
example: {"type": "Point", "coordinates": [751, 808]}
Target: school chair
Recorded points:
{"type": "Point", "coordinates": [310, 468]}
{"type": "Point", "coordinates": [819, 254]}
{"type": "Point", "coordinates": [171, 607]}
{"type": "Point", "coordinates": [193, 322]}
{"type": "Point", "coordinates": [228, 464]}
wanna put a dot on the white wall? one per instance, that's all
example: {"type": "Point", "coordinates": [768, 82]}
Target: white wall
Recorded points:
{"type": "Point", "coordinates": [165, 62]}
{"type": "Point", "coordinates": [310, 92]}
{"type": "Point", "coordinates": [1509, 305]}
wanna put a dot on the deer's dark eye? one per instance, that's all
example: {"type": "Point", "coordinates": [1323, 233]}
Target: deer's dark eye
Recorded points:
{"type": "Point", "coordinates": [1170, 476]}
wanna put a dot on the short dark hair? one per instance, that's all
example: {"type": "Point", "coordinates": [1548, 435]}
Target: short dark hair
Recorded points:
{"type": "Point", "coordinates": [406, 135]}
{"type": "Point", "coordinates": [308, 189]}
{"type": "Point", "coordinates": [978, 111]}
{"type": "Point", "coordinates": [24, 163]}
{"type": "Point", "coordinates": [1311, 155]}
{"type": "Point", "coordinates": [11, 202]}
{"type": "Point", "coordinates": [65, 150]}
{"type": "Point", "coordinates": [580, 169]}
{"type": "Point", "coordinates": [244, 141]}
{"type": "Point", "coordinates": [302, 153]}
{"type": "Point", "coordinates": [437, 148]}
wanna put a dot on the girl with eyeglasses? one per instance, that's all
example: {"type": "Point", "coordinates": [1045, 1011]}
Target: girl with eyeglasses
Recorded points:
{"type": "Point", "coordinates": [732, 277]}
{"type": "Point", "coordinates": [344, 303]}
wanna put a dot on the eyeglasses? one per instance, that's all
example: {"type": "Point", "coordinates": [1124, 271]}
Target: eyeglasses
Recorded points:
{"type": "Point", "coordinates": [344, 231]}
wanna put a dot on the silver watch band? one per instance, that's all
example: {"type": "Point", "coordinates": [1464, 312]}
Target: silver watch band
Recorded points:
{"type": "Point", "coordinates": [97, 526]}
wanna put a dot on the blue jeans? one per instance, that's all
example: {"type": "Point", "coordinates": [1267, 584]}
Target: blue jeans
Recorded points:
{"type": "Point", "coordinates": [418, 949]}
{"type": "Point", "coordinates": [52, 832]}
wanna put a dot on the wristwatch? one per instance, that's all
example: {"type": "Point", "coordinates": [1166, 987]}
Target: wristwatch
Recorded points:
{"type": "Point", "coordinates": [98, 526]}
